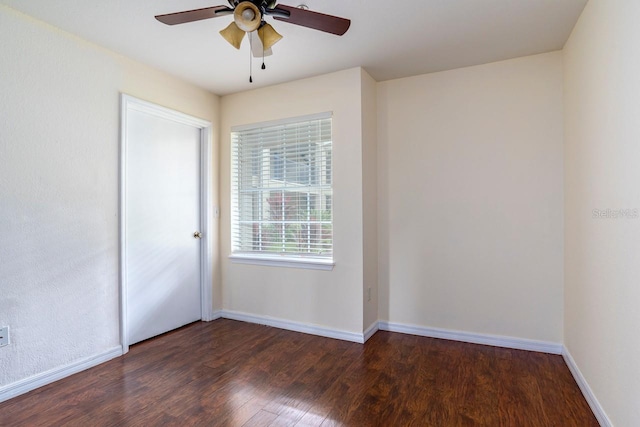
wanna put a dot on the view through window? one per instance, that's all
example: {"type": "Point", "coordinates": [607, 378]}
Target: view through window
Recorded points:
{"type": "Point", "coordinates": [282, 189]}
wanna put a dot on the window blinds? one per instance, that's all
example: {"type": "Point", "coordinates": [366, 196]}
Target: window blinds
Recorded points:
{"type": "Point", "coordinates": [282, 188]}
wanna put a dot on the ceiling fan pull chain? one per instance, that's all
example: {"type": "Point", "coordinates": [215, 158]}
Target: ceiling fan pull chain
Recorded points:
{"type": "Point", "coordinates": [251, 57]}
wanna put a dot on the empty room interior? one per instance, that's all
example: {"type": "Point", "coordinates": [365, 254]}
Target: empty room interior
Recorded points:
{"type": "Point", "coordinates": [399, 213]}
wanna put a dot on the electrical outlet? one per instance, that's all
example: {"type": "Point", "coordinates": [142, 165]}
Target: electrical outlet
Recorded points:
{"type": "Point", "coordinates": [4, 336]}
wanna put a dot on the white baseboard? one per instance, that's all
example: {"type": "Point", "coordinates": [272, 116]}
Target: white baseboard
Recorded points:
{"type": "Point", "coordinates": [474, 338]}
{"type": "Point", "coordinates": [217, 314]}
{"type": "Point", "coordinates": [494, 340]}
{"type": "Point", "coordinates": [26, 385]}
{"type": "Point", "coordinates": [294, 326]}
{"type": "Point", "coordinates": [368, 333]}
{"type": "Point", "coordinates": [597, 409]}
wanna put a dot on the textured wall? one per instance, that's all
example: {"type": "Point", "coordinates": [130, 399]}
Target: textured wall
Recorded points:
{"type": "Point", "coordinates": [59, 133]}
{"type": "Point", "coordinates": [471, 199]}
{"type": "Point", "coordinates": [602, 157]}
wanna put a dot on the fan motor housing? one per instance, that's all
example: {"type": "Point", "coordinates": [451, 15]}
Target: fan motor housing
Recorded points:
{"type": "Point", "coordinates": [261, 4]}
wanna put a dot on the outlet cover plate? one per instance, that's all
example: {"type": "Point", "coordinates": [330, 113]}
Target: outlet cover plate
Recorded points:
{"type": "Point", "coordinates": [4, 336]}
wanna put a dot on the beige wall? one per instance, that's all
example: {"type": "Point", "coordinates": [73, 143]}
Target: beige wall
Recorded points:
{"type": "Point", "coordinates": [331, 299]}
{"type": "Point", "coordinates": [471, 200]}
{"type": "Point", "coordinates": [59, 136]}
{"type": "Point", "coordinates": [370, 199]}
{"type": "Point", "coordinates": [602, 152]}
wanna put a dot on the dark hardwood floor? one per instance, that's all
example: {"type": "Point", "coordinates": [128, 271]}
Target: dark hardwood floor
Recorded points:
{"type": "Point", "coordinates": [238, 374]}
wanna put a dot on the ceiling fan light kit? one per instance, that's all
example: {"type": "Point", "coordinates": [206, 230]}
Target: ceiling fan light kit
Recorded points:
{"type": "Point", "coordinates": [269, 36]}
{"type": "Point", "coordinates": [233, 34]}
{"type": "Point", "coordinates": [249, 16]}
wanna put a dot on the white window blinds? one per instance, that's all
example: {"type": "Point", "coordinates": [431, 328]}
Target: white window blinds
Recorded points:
{"type": "Point", "coordinates": [282, 188]}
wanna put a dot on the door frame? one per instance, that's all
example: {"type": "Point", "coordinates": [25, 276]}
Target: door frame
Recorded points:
{"type": "Point", "coordinates": [129, 103]}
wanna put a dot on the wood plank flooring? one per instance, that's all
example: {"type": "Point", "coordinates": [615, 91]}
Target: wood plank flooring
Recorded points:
{"type": "Point", "coordinates": [228, 373]}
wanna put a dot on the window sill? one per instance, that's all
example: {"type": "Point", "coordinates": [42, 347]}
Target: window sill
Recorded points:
{"type": "Point", "coordinates": [275, 261]}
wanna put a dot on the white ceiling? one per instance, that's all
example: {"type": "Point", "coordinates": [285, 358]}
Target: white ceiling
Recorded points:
{"type": "Point", "coordinates": [390, 39]}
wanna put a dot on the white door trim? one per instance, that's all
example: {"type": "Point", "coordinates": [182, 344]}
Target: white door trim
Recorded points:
{"type": "Point", "coordinates": [129, 103]}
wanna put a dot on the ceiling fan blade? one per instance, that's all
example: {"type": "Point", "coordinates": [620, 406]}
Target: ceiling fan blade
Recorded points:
{"type": "Point", "coordinates": [194, 15]}
{"type": "Point", "coordinates": [307, 18]}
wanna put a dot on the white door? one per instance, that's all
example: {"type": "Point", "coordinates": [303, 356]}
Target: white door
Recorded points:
{"type": "Point", "coordinates": [162, 199]}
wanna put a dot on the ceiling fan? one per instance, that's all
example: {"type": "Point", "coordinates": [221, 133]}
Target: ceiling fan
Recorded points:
{"type": "Point", "coordinates": [249, 16]}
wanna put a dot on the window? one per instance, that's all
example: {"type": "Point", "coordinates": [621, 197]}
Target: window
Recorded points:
{"type": "Point", "coordinates": [282, 191]}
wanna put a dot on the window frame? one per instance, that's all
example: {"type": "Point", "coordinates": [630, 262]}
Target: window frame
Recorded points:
{"type": "Point", "coordinates": [289, 260]}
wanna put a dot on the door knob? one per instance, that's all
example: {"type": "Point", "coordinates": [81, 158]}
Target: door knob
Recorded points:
{"type": "Point", "coordinates": [197, 235]}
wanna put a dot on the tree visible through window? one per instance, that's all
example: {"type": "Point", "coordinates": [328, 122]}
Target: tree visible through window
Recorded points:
{"type": "Point", "coordinates": [282, 188]}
